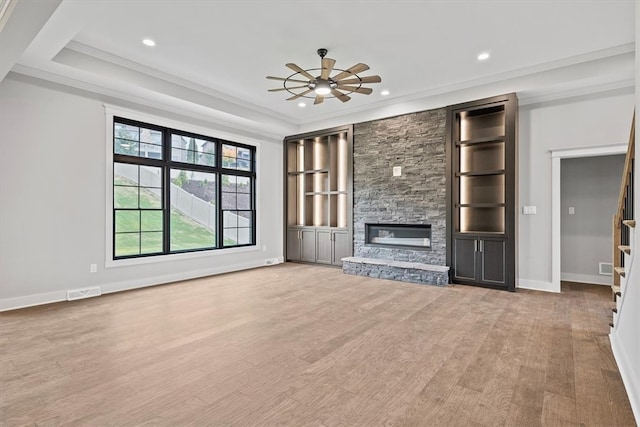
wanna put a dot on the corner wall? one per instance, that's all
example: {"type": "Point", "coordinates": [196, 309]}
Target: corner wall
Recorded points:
{"type": "Point", "coordinates": [582, 122]}
{"type": "Point", "coordinates": [53, 200]}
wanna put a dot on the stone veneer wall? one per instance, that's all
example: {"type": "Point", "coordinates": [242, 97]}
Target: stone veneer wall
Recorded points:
{"type": "Point", "coordinates": [416, 142]}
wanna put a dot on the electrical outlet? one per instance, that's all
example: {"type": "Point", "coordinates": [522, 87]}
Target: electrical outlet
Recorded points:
{"type": "Point", "coordinates": [572, 210]}
{"type": "Point", "coordinates": [93, 268]}
{"type": "Point", "coordinates": [397, 171]}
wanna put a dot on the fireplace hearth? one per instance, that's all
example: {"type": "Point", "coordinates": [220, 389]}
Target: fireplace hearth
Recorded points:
{"type": "Point", "coordinates": [406, 236]}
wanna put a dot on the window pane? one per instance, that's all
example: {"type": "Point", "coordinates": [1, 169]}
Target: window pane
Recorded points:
{"type": "Point", "coordinates": [230, 219]}
{"type": "Point", "coordinates": [244, 184]}
{"type": "Point", "coordinates": [244, 165]}
{"type": "Point", "coordinates": [150, 177]}
{"type": "Point", "coordinates": [127, 244]}
{"type": "Point", "coordinates": [127, 221]}
{"type": "Point", "coordinates": [193, 150]}
{"type": "Point", "coordinates": [125, 197]}
{"type": "Point", "coordinates": [151, 242]}
{"type": "Point", "coordinates": [244, 153]}
{"type": "Point", "coordinates": [151, 221]}
{"type": "Point", "coordinates": [125, 174]}
{"type": "Point", "coordinates": [124, 146]}
{"type": "Point", "coordinates": [244, 201]}
{"type": "Point", "coordinates": [137, 141]}
{"type": "Point", "coordinates": [230, 236]}
{"type": "Point", "coordinates": [151, 151]}
{"type": "Point", "coordinates": [244, 236]}
{"type": "Point", "coordinates": [193, 210]}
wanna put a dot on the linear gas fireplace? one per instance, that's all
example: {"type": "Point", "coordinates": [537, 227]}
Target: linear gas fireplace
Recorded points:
{"type": "Point", "coordinates": [408, 236]}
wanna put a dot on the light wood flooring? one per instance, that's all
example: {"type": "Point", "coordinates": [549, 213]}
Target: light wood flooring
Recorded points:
{"type": "Point", "coordinates": [304, 345]}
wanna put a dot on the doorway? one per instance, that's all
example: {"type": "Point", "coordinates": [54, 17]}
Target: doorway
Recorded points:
{"type": "Point", "coordinates": [556, 198]}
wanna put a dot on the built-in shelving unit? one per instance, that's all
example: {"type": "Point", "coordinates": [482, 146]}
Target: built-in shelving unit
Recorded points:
{"type": "Point", "coordinates": [318, 188]}
{"type": "Point", "coordinates": [482, 155]}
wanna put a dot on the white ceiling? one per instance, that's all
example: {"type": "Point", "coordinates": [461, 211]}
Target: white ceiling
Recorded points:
{"type": "Point", "coordinates": [212, 57]}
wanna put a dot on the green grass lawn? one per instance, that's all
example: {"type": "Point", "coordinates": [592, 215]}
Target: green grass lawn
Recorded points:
{"type": "Point", "coordinates": [146, 226]}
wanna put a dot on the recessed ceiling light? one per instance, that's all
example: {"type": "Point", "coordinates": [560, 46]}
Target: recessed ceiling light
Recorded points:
{"type": "Point", "coordinates": [148, 42]}
{"type": "Point", "coordinates": [301, 104]}
{"type": "Point", "coordinates": [384, 93]}
{"type": "Point", "coordinates": [483, 56]}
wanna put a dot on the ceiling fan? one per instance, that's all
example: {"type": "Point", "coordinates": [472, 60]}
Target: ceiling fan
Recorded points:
{"type": "Point", "coordinates": [342, 84]}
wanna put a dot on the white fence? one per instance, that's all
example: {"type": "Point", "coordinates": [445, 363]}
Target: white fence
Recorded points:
{"type": "Point", "coordinates": [198, 210]}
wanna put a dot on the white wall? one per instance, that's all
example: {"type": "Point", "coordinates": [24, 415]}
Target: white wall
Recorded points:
{"type": "Point", "coordinates": [624, 337]}
{"type": "Point", "coordinates": [590, 186]}
{"type": "Point", "coordinates": [573, 123]}
{"type": "Point", "coordinates": [53, 200]}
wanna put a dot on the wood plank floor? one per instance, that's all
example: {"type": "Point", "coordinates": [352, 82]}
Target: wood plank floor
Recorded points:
{"type": "Point", "coordinates": [305, 345]}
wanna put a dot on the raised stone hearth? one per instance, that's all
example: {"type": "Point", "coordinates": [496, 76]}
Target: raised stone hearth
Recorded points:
{"type": "Point", "coordinates": [412, 272]}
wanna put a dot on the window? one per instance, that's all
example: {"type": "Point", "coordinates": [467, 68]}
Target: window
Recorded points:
{"type": "Point", "coordinates": [174, 191]}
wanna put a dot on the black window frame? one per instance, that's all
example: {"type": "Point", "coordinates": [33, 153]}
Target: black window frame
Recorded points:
{"type": "Point", "coordinates": [166, 163]}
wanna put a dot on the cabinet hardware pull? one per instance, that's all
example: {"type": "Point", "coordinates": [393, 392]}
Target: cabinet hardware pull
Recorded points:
{"type": "Point", "coordinates": [481, 245]}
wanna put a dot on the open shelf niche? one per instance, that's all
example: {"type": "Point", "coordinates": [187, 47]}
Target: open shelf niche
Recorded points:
{"type": "Point", "coordinates": [482, 154]}
{"type": "Point", "coordinates": [319, 195]}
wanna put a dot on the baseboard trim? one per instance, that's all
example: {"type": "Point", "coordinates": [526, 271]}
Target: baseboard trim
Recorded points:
{"type": "Point", "coordinates": [592, 279]}
{"type": "Point", "coordinates": [627, 374]}
{"type": "Point", "coordinates": [32, 300]}
{"type": "Point", "coordinates": [7, 304]}
{"type": "Point", "coordinates": [537, 285]}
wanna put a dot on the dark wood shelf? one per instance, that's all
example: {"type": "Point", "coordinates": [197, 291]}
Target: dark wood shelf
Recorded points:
{"type": "Point", "coordinates": [479, 233]}
{"type": "Point", "coordinates": [482, 173]}
{"type": "Point", "coordinates": [311, 171]}
{"type": "Point", "coordinates": [484, 140]}
{"type": "Point", "coordinates": [480, 205]}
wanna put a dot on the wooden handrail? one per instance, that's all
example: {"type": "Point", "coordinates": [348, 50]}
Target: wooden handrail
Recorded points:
{"type": "Point", "coordinates": [618, 216]}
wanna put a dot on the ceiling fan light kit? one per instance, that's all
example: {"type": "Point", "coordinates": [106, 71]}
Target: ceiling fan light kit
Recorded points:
{"type": "Point", "coordinates": [318, 87]}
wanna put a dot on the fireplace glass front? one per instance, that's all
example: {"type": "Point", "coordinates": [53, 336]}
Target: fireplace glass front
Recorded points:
{"type": "Point", "coordinates": [414, 236]}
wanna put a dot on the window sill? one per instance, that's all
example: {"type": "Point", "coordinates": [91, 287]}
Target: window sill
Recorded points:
{"type": "Point", "coordinates": [111, 263]}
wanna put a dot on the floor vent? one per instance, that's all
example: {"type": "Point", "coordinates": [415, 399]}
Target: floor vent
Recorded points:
{"type": "Point", "coordinates": [74, 294]}
{"type": "Point", "coordinates": [605, 268]}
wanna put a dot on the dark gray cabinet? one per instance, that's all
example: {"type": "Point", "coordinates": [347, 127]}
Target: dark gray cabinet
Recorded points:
{"type": "Point", "coordinates": [301, 244]}
{"type": "Point", "coordinates": [479, 260]}
{"type": "Point", "coordinates": [318, 201]}
{"type": "Point", "coordinates": [482, 195]}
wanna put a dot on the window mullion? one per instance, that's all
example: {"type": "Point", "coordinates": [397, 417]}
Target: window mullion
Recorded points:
{"type": "Point", "coordinates": [166, 192]}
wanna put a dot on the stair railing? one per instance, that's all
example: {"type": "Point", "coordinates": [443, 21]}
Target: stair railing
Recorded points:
{"type": "Point", "coordinates": [624, 211]}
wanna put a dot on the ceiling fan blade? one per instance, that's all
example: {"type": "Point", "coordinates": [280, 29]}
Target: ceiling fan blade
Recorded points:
{"type": "Point", "coordinates": [295, 68]}
{"type": "Point", "coordinates": [284, 79]}
{"type": "Point", "coordinates": [363, 90]}
{"type": "Point", "coordinates": [301, 94]}
{"type": "Point", "coordinates": [319, 99]}
{"type": "Point", "coordinates": [327, 67]}
{"type": "Point", "coordinates": [341, 96]}
{"type": "Point", "coordinates": [359, 80]}
{"type": "Point", "coordinates": [286, 88]}
{"type": "Point", "coordinates": [358, 68]}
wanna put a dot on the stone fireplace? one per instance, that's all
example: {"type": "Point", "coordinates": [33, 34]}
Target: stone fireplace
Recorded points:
{"type": "Point", "coordinates": [416, 144]}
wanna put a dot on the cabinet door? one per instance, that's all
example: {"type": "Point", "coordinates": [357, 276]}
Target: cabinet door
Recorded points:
{"type": "Point", "coordinates": [308, 245]}
{"type": "Point", "coordinates": [323, 246]}
{"type": "Point", "coordinates": [341, 247]}
{"type": "Point", "coordinates": [293, 244]}
{"type": "Point", "coordinates": [492, 262]}
{"type": "Point", "coordinates": [464, 258]}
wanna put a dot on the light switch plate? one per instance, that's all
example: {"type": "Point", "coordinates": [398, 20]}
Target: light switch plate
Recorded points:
{"type": "Point", "coordinates": [572, 210]}
{"type": "Point", "coordinates": [528, 210]}
{"type": "Point", "coordinates": [397, 171]}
